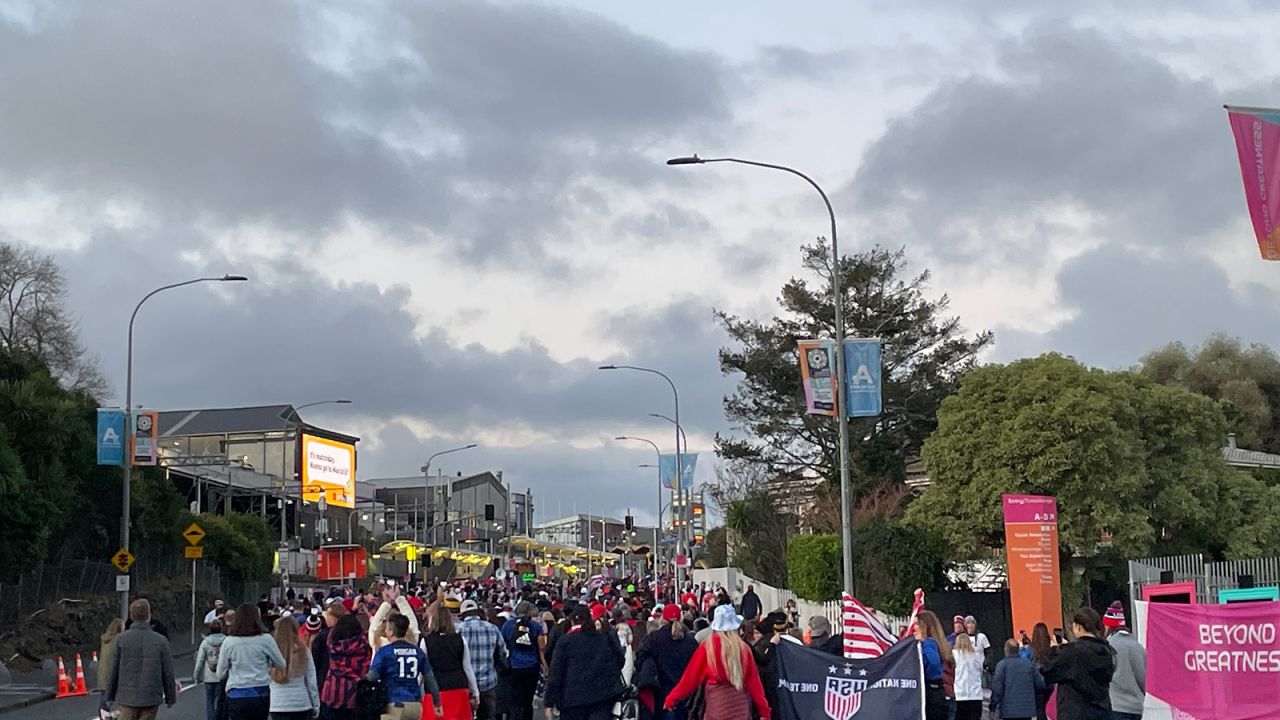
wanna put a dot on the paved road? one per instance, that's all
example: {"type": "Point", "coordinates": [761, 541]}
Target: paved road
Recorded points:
{"type": "Point", "coordinates": [190, 703]}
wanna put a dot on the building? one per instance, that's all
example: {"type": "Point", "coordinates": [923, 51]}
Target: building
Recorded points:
{"type": "Point", "coordinates": [593, 532]}
{"type": "Point", "coordinates": [474, 510]}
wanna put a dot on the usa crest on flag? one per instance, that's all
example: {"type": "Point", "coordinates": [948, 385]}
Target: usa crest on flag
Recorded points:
{"type": "Point", "coordinates": [843, 697]}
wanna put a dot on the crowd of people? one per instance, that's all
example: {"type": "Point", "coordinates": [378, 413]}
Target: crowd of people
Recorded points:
{"type": "Point", "coordinates": [483, 650]}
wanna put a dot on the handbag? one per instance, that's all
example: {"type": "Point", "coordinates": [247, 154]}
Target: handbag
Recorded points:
{"type": "Point", "coordinates": [697, 703]}
{"type": "Point", "coordinates": [371, 699]}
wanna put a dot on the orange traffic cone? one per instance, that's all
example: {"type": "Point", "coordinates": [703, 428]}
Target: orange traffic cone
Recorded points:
{"type": "Point", "coordinates": [64, 682]}
{"type": "Point", "coordinates": [80, 688]}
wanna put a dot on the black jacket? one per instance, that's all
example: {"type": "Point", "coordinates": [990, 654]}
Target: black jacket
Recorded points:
{"type": "Point", "coordinates": [833, 645]}
{"type": "Point", "coordinates": [1082, 671]}
{"type": "Point", "coordinates": [320, 653]}
{"type": "Point", "coordinates": [586, 669]}
{"type": "Point", "coordinates": [750, 604]}
{"type": "Point", "coordinates": [670, 656]}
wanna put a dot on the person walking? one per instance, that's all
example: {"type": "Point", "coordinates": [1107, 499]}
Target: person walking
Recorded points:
{"type": "Point", "coordinates": [751, 605]}
{"type": "Point", "coordinates": [243, 661]}
{"type": "Point", "coordinates": [107, 651]}
{"type": "Point", "coordinates": [937, 656]}
{"type": "Point", "coordinates": [1014, 685]}
{"type": "Point", "coordinates": [206, 668]}
{"type": "Point", "coordinates": [219, 607]}
{"type": "Point", "coordinates": [403, 669]}
{"type": "Point", "coordinates": [1041, 651]}
{"type": "Point", "coordinates": [1129, 683]}
{"type": "Point", "coordinates": [968, 680]}
{"type": "Point", "coordinates": [140, 676]}
{"type": "Point", "coordinates": [526, 639]}
{"type": "Point", "coordinates": [1082, 670]}
{"type": "Point", "coordinates": [669, 648]}
{"type": "Point", "coordinates": [586, 671]}
{"type": "Point", "coordinates": [725, 668]}
{"type": "Point", "coordinates": [488, 653]}
{"type": "Point", "coordinates": [348, 661]}
{"type": "Point", "coordinates": [821, 638]}
{"type": "Point", "coordinates": [451, 664]}
{"type": "Point", "coordinates": [294, 692]}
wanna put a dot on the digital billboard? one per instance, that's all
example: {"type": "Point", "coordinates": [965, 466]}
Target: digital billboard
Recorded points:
{"type": "Point", "coordinates": [328, 469]}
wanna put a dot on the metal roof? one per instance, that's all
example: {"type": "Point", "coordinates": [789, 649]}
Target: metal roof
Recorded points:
{"type": "Point", "coordinates": [228, 421]}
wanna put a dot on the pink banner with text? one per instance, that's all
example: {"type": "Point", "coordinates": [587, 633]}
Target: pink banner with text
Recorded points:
{"type": "Point", "coordinates": [1257, 134]}
{"type": "Point", "coordinates": [1215, 662]}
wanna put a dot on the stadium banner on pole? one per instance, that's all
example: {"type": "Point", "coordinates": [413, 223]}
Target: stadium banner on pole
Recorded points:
{"type": "Point", "coordinates": [1257, 134]}
{"type": "Point", "coordinates": [110, 436]}
{"type": "Point", "coordinates": [667, 468]}
{"type": "Point", "coordinates": [818, 376]}
{"type": "Point", "coordinates": [862, 388]}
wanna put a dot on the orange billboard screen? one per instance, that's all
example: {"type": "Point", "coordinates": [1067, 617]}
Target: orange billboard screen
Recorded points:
{"type": "Point", "coordinates": [1031, 543]}
{"type": "Point", "coordinates": [328, 470]}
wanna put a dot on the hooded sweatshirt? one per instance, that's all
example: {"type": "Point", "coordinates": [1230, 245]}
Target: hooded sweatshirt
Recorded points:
{"type": "Point", "coordinates": [1082, 671]}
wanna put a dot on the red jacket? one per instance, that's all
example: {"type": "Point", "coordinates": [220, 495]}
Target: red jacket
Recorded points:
{"type": "Point", "coordinates": [701, 670]}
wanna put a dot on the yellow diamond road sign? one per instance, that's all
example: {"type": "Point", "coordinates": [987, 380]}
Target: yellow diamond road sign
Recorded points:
{"type": "Point", "coordinates": [123, 560]}
{"type": "Point", "coordinates": [194, 534]}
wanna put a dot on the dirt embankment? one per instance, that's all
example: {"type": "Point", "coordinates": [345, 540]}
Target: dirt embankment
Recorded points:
{"type": "Point", "coordinates": [75, 624]}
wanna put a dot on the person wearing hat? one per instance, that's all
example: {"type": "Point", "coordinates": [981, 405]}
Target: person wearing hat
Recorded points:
{"type": "Point", "coordinates": [725, 668]}
{"type": "Point", "coordinates": [526, 641]}
{"type": "Point", "coordinates": [219, 607]}
{"type": "Point", "coordinates": [669, 648]}
{"type": "Point", "coordinates": [820, 637]}
{"type": "Point", "coordinates": [1129, 683]}
{"type": "Point", "coordinates": [488, 655]}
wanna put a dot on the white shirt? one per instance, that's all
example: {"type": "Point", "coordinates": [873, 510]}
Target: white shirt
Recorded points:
{"type": "Point", "coordinates": [968, 683]}
{"type": "Point", "coordinates": [211, 616]}
{"type": "Point", "coordinates": [980, 643]}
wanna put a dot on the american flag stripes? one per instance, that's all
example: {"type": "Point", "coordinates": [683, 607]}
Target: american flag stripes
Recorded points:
{"type": "Point", "coordinates": [864, 635]}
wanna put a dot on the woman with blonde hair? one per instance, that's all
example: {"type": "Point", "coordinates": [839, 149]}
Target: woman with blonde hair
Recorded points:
{"type": "Point", "coordinates": [294, 692]}
{"type": "Point", "coordinates": [968, 683]}
{"type": "Point", "coordinates": [726, 670]}
{"type": "Point", "coordinates": [936, 652]}
{"type": "Point", "coordinates": [108, 650]}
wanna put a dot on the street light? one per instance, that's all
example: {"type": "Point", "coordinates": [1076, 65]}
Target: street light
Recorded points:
{"type": "Point", "coordinates": [130, 428]}
{"type": "Point", "coordinates": [676, 479]}
{"type": "Point", "coordinates": [426, 483]}
{"type": "Point", "coordinates": [842, 419]}
{"type": "Point", "coordinates": [656, 528]}
{"type": "Point", "coordinates": [685, 495]}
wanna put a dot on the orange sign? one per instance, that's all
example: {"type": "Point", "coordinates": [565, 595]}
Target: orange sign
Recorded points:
{"type": "Point", "coordinates": [328, 471]}
{"type": "Point", "coordinates": [1031, 544]}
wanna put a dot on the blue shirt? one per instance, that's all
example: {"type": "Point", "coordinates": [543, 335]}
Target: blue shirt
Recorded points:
{"type": "Point", "coordinates": [399, 665]}
{"type": "Point", "coordinates": [932, 660]}
{"type": "Point", "coordinates": [522, 644]}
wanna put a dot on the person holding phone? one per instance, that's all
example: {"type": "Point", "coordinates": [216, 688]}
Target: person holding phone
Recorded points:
{"type": "Point", "coordinates": [1082, 670]}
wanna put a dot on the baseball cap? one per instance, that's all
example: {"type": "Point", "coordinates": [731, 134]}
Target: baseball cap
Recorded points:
{"type": "Point", "coordinates": [468, 606]}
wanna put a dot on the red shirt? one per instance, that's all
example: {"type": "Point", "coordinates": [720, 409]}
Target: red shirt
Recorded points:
{"type": "Point", "coordinates": [701, 670]}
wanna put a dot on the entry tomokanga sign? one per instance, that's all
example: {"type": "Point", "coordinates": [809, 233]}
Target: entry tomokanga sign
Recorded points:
{"type": "Point", "coordinates": [814, 685]}
{"type": "Point", "coordinates": [1215, 662]}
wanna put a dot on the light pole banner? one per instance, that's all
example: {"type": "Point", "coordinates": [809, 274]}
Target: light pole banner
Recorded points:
{"type": "Point", "coordinates": [110, 436]}
{"type": "Point", "coordinates": [145, 437]}
{"type": "Point", "coordinates": [1257, 134]}
{"type": "Point", "coordinates": [667, 468]}
{"type": "Point", "coordinates": [862, 376]}
{"type": "Point", "coordinates": [818, 376]}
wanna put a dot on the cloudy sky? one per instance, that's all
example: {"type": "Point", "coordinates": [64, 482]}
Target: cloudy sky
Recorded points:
{"type": "Point", "coordinates": [452, 212]}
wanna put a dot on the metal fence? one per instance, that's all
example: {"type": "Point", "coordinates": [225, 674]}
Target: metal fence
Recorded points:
{"type": "Point", "coordinates": [68, 578]}
{"type": "Point", "coordinates": [1210, 577]}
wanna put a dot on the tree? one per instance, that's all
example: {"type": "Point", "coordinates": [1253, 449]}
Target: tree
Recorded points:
{"type": "Point", "coordinates": [717, 550]}
{"type": "Point", "coordinates": [757, 527]}
{"type": "Point", "coordinates": [1245, 382]}
{"type": "Point", "coordinates": [812, 566]}
{"type": "Point", "coordinates": [238, 544]}
{"type": "Point", "coordinates": [35, 322]}
{"type": "Point", "coordinates": [925, 353]}
{"type": "Point", "coordinates": [1134, 465]}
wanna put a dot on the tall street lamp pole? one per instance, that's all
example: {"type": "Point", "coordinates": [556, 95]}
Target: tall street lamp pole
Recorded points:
{"type": "Point", "coordinates": [686, 496]}
{"type": "Point", "coordinates": [675, 480]}
{"type": "Point", "coordinates": [284, 483]}
{"type": "Point", "coordinates": [842, 419]}
{"type": "Point", "coordinates": [426, 484]}
{"type": "Point", "coordinates": [130, 428]}
{"type": "Point", "coordinates": [657, 527]}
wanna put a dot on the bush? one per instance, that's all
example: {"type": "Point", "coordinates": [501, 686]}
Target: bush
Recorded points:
{"type": "Point", "coordinates": [813, 566]}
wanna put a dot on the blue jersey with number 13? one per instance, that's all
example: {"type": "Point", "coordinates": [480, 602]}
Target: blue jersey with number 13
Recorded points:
{"type": "Point", "coordinates": [399, 665]}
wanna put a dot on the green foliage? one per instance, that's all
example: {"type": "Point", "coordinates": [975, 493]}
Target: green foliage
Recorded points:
{"type": "Point", "coordinates": [717, 549]}
{"type": "Point", "coordinates": [1245, 382]}
{"type": "Point", "coordinates": [925, 354]}
{"type": "Point", "coordinates": [759, 538]}
{"type": "Point", "coordinates": [891, 559]}
{"type": "Point", "coordinates": [813, 566]}
{"type": "Point", "coordinates": [1123, 455]}
{"type": "Point", "coordinates": [238, 544]}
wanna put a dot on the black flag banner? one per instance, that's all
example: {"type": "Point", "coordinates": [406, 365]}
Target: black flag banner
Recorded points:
{"type": "Point", "coordinates": [814, 685]}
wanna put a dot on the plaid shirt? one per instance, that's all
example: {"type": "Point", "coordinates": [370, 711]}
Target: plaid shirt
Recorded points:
{"type": "Point", "coordinates": [484, 641]}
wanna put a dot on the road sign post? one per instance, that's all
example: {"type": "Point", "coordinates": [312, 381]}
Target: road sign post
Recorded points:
{"type": "Point", "coordinates": [194, 534]}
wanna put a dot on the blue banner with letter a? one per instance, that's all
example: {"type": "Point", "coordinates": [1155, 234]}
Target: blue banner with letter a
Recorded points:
{"type": "Point", "coordinates": [862, 377]}
{"type": "Point", "coordinates": [814, 685]}
{"type": "Point", "coordinates": [110, 436]}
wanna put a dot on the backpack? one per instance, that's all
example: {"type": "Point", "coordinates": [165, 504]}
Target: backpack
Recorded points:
{"type": "Point", "coordinates": [522, 635]}
{"type": "Point", "coordinates": [211, 657]}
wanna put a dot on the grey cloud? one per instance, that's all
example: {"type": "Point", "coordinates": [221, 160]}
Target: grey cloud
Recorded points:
{"type": "Point", "coordinates": [218, 113]}
{"type": "Point", "coordinates": [789, 62]}
{"type": "Point", "coordinates": [1129, 301]}
{"type": "Point", "coordinates": [1078, 118]}
{"type": "Point", "coordinates": [664, 221]}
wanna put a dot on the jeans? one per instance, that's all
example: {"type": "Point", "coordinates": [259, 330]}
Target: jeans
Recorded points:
{"type": "Point", "coordinates": [523, 683]}
{"type": "Point", "coordinates": [211, 691]}
{"type": "Point", "coordinates": [249, 708]}
{"type": "Point", "coordinates": [487, 709]}
{"type": "Point", "coordinates": [1125, 716]}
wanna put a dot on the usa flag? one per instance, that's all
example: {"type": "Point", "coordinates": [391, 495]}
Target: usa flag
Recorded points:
{"type": "Point", "coordinates": [843, 697]}
{"type": "Point", "coordinates": [864, 635]}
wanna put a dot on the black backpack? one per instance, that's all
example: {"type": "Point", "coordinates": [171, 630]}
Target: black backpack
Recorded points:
{"type": "Point", "coordinates": [371, 699]}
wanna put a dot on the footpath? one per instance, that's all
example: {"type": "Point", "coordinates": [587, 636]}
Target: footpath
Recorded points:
{"type": "Point", "coordinates": [24, 689]}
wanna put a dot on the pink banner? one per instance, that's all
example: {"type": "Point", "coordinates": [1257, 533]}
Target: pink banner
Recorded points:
{"type": "Point", "coordinates": [1257, 134]}
{"type": "Point", "coordinates": [1215, 662]}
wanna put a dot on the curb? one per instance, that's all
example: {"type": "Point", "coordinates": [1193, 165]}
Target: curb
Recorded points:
{"type": "Point", "coordinates": [26, 703]}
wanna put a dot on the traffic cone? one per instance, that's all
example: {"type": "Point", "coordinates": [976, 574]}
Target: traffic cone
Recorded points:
{"type": "Point", "coordinates": [64, 682]}
{"type": "Point", "coordinates": [80, 688]}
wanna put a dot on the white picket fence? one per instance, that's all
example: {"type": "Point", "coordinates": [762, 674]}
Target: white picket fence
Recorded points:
{"type": "Point", "coordinates": [772, 598]}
